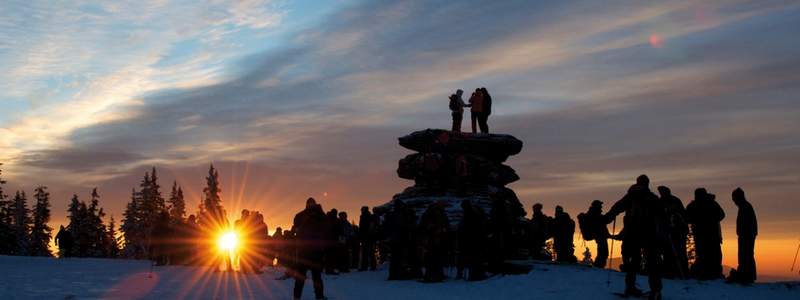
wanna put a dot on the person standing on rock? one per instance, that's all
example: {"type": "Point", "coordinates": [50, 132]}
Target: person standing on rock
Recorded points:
{"type": "Point", "coordinates": [476, 109]}
{"type": "Point", "coordinates": [457, 109]}
{"type": "Point", "coordinates": [747, 230]}
{"type": "Point", "coordinates": [487, 110]}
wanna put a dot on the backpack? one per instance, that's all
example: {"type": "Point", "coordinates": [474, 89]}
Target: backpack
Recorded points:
{"type": "Point", "coordinates": [453, 102]}
{"type": "Point", "coordinates": [585, 227]}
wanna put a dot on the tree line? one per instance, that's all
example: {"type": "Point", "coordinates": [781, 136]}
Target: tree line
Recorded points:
{"type": "Point", "coordinates": [25, 231]}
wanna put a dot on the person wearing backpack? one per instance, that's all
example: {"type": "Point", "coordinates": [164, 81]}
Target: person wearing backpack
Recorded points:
{"type": "Point", "coordinates": [457, 109]}
{"type": "Point", "coordinates": [643, 236]}
{"type": "Point", "coordinates": [563, 230]}
{"type": "Point", "coordinates": [593, 227]}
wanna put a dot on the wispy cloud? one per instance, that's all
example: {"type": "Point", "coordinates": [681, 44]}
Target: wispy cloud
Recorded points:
{"type": "Point", "coordinates": [712, 103]}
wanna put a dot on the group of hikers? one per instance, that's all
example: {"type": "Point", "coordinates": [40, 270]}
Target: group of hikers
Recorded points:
{"type": "Point", "coordinates": [480, 107]}
{"type": "Point", "coordinates": [654, 235]}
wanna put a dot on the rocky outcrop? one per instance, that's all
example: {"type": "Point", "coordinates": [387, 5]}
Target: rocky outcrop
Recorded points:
{"type": "Point", "coordinates": [495, 147]}
{"type": "Point", "coordinates": [451, 167]}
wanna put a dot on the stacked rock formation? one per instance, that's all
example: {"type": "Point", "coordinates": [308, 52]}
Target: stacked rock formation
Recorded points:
{"type": "Point", "coordinates": [450, 167]}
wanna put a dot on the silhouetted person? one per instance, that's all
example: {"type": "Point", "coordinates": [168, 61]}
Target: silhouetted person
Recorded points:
{"type": "Point", "coordinates": [563, 228]}
{"type": "Point", "coordinates": [676, 262]}
{"type": "Point", "coordinates": [262, 252]}
{"type": "Point", "coordinates": [243, 230]}
{"type": "Point", "coordinates": [499, 234]}
{"type": "Point", "coordinates": [593, 227]}
{"type": "Point", "coordinates": [487, 110]}
{"type": "Point", "coordinates": [334, 237]}
{"type": "Point", "coordinates": [64, 241]}
{"type": "Point", "coordinates": [346, 237]}
{"type": "Point", "coordinates": [476, 108]}
{"type": "Point", "coordinates": [312, 235]}
{"type": "Point", "coordinates": [704, 215]}
{"type": "Point", "coordinates": [643, 217]}
{"type": "Point", "coordinates": [539, 233]}
{"type": "Point", "coordinates": [400, 230]}
{"type": "Point", "coordinates": [457, 109]}
{"type": "Point", "coordinates": [471, 242]}
{"type": "Point", "coordinates": [747, 230]}
{"type": "Point", "coordinates": [367, 230]}
{"type": "Point", "coordinates": [434, 226]}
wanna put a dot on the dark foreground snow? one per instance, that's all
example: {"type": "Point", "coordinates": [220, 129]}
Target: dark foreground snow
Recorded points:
{"type": "Point", "coordinates": [47, 278]}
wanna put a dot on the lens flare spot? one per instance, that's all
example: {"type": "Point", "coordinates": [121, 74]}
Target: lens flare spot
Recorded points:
{"type": "Point", "coordinates": [656, 41]}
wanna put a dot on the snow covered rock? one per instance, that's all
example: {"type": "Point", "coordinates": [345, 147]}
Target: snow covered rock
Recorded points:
{"type": "Point", "coordinates": [451, 167]}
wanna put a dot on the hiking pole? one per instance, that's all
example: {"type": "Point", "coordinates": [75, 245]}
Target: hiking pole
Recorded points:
{"type": "Point", "coordinates": [795, 257]}
{"type": "Point", "coordinates": [675, 255]}
{"type": "Point", "coordinates": [611, 253]}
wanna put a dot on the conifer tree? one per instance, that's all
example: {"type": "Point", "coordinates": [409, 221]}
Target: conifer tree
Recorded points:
{"type": "Point", "coordinates": [141, 215]}
{"type": "Point", "coordinates": [73, 215]}
{"type": "Point", "coordinates": [22, 224]}
{"type": "Point", "coordinates": [177, 205]}
{"type": "Point", "coordinates": [41, 233]}
{"type": "Point", "coordinates": [112, 246]}
{"type": "Point", "coordinates": [94, 229]}
{"type": "Point", "coordinates": [6, 235]}
{"type": "Point", "coordinates": [212, 201]}
{"type": "Point", "coordinates": [133, 227]}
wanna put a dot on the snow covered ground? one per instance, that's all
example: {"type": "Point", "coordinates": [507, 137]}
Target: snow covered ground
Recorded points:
{"type": "Point", "coordinates": [47, 278]}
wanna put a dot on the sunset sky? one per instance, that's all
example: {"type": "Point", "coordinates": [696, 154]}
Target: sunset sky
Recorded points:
{"type": "Point", "coordinates": [291, 99]}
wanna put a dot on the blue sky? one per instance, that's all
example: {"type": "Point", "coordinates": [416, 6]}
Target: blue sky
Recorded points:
{"type": "Point", "coordinates": [298, 98]}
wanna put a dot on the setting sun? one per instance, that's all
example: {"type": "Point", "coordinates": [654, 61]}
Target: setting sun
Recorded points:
{"type": "Point", "coordinates": [228, 241]}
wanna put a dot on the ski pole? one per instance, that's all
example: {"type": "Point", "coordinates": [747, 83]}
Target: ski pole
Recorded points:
{"type": "Point", "coordinates": [611, 253]}
{"type": "Point", "coordinates": [675, 255]}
